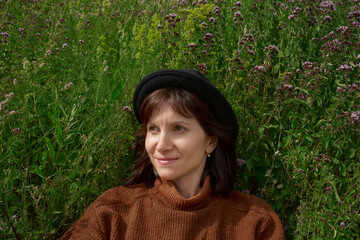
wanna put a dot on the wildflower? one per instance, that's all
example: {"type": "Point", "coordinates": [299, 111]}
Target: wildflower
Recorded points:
{"type": "Point", "coordinates": [327, 6]}
{"type": "Point", "coordinates": [41, 65]}
{"type": "Point", "coordinates": [260, 68]}
{"type": "Point", "coordinates": [38, 34]}
{"type": "Point", "coordinates": [354, 117]}
{"type": "Point", "coordinates": [192, 46]}
{"type": "Point", "coordinates": [81, 41]}
{"type": "Point", "coordinates": [251, 52]}
{"type": "Point", "coordinates": [21, 30]}
{"type": "Point", "coordinates": [272, 48]}
{"type": "Point", "coordinates": [342, 224]}
{"type": "Point", "coordinates": [87, 22]}
{"type": "Point", "coordinates": [340, 89]}
{"type": "Point", "coordinates": [126, 109]}
{"type": "Point", "coordinates": [10, 95]}
{"type": "Point", "coordinates": [159, 26]}
{"type": "Point", "coordinates": [314, 39]}
{"type": "Point", "coordinates": [12, 112]}
{"type": "Point", "coordinates": [300, 170]}
{"type": "Point", "coordinates": [291, 17]}
{"type": "Point", "coordinates": [106, 68]}
{"type": "Point", "coordinates": [202, 67]}
{"type": "Point", "coordinates": [64, 45]}
{"type": "Point", "coordinates": [16, 130]}
{"type": "Point", "coordinates": [247, 191]}
{"type": "Point", "coordinates": [204, 25]}
{"type": "Point", "coordinates": [327, 19]}
{"type": "Point", "coordinates": [358, 57]}
{"type": "Point", "coordinates": [344, 67]}
{"type": "Point", "coordinates": [297, 10]}
{"type": "Point", "coordinates": [212, 19]}
{"type": "Point", "coordinates": [309, 65]}
{"type": "Point", "coordinates": [208, 36]}
{"type": "Point", "coordinates": [25, 64]}
{"type": "Point", "coordinates": [288, 87]}
{"type": "Point", "coordinates": [48, 52]}
{"type": "Point", "coordinates": [240, 162]}
{"type": "Point", "coordinates": [5, 34]}
{"type": "Point", "coordinates": [298, 71]}
{"type": "Point", "coordinates": [238, 14]}
{"type": "Point", "coordinates": [70, 84]}
{"type": "Point", "coordinates": [238, 4]}
{"type": "Point", "coordinates": [216, 10]}
{"type": "Point", "coordinates": [47, 21]}
{"type": "Point", "coordinates": [328, 189]}
{"type": "Point", "coordinates": [2, 105]}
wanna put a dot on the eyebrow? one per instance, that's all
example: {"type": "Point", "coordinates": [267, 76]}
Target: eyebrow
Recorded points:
{"type": "Point", "coordinates": [174, 123]}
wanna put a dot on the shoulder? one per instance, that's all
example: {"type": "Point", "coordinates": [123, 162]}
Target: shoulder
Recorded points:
{"type": "Point", "coordinates": [244, 202]}
{"type": "Point", "coordinates": [122, 195]}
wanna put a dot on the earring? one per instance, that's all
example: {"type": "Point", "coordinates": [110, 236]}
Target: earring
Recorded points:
{"type": "Point", "coordinates": [208, 155]}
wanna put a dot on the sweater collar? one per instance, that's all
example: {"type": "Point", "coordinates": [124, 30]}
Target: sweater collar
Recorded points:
{"type": "Point", "coordinates": [168, 195]}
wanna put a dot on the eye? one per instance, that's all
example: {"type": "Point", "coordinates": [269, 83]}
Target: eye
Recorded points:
{"type": "Point", "coordinates": [153, 129]}
{"type": "Point", "coordinates": [179, 128]}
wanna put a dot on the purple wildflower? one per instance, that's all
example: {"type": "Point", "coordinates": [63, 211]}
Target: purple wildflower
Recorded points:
{"type": "Point", "coordinates": [296, 11]}
{"type": "Point", "coordinates": [64, 45]}
{"type": "Point", "coordinates": [344, 67]}
{"type": "Point", "coordinates": [48, 52]}
{"type": "Point", "coordinates": [354, 117]}
{"type": "Point", "coordinates": [288, 87]}
{"type": "Point", "coordinates": [272, 48]}
{"type": "Point", "coordinates": [309, 65]}
{"type": "Point", "coordinates": [358, 57]}
{"type": "Point", "coordinates": [216, 10]}
{"type": "Point", "coordinates": [81, 41]}
{"type": "Point", "coordinates": [251, 52]}
{"type": "Point", "coordinates": [5, 34]}
{"type": "Point", "coordinates": [238, 14]}
{"type": "Point", "coordinates": [16, 131]}
{"type": "Point", "coordinates": [87, 22]}
{"type": "Point", "coordinates": [204, 24]}
{"type": "Point", "coordinates": [208, 36]}
{"type": "Point", "coordinates": [126, 109]}
{"type": "Point", "coordinates": [327, 19]}
{"type": "Point", "coordinates": [12, 112]}
{"type": "Point", "coordinates": [10, 95]}
{"type": "Point", "coordinates": [340, 89]}
{"type": "Point", "coordinates": [327, 6]}
{"type": "Point", "coordinates": [2, 105]}
{"type": "Point", "coordinates": [342, 224]}
{"type": "Point", "coordinates": [291, 17]}
{"type": "Point", "coordinates": [67, 86]}
{"type": "Point", "coordinates": [21, 30]}
{"type": "Point", "coordinates": [212, 20]}
{"type": "Point", "coordinates": [260, 68]}
{"type": "Point", "coordinates": [240, 162]}
{"type": "Point", "coordinates": [238, 3]}
{"type": "Point", "coordinates": [298, 71]}
{"type": "Point", "coordinates": [47, 21]}
{"type": "Point", "coordinates": [202, 67]}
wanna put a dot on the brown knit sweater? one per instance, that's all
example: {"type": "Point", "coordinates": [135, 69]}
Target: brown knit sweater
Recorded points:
{"type": "Point", "coordinates": [139, 212]}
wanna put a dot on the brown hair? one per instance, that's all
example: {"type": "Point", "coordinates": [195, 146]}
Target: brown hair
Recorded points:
{"type": "Point", "coordinates": [220, 166]}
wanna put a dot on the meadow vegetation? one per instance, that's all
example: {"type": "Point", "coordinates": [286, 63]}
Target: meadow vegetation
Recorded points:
{"type": "Point", "coordinates": [290, 69]}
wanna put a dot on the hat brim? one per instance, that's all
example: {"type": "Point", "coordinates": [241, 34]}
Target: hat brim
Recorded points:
{"type": "Point", "coordinates": [193, 81]}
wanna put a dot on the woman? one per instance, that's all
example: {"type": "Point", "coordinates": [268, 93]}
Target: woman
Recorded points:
{"type": "Point", "coordinates": [184, 171]}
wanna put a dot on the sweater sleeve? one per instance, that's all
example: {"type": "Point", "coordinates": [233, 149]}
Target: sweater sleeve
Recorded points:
{"type": "Point", "coordinates": [87, 227]}
{"type": "Point", "coordinates": [272, 228]}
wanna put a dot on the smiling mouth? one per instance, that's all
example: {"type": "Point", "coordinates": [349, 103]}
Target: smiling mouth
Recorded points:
{"type": "Point", "coordinates": [165, 161]}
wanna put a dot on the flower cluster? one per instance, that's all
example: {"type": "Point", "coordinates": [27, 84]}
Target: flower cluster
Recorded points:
{"type": "Point", "coordinates": [327, 6]}
{"type": "Point", "coordinates": [294, 13]}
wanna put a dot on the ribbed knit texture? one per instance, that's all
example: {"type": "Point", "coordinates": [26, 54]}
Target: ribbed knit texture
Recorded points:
{"type": "Point", "coordinates": [138, 212]}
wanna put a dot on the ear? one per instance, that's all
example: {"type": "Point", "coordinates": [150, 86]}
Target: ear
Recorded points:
{"type": "Point", "coordinates": [212, 144]}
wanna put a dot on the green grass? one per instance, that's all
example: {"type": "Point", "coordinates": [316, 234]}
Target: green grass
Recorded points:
{"type": "Point", "coordinates": [72, 67]}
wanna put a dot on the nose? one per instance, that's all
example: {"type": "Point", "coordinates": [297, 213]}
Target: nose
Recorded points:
{"type": "Point", "coordinates": [164, 142]}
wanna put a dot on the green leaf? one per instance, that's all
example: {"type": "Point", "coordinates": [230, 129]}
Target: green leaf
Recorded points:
{"type": "Point", "coordinates": [352, 152]}
{"type": "Point", "coordinates": [285, 141]}
{"type": "Point", "coordinates": [342, 169]}
{"type": "Point", "coordinates": [50, 147]}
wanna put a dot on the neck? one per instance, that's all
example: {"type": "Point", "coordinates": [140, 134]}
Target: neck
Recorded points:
{"type": "Point", "coordinates": [188, 189]}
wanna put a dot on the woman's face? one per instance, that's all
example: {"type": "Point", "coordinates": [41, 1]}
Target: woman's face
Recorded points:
{"type": "Point", "coordinates": [177, 146]}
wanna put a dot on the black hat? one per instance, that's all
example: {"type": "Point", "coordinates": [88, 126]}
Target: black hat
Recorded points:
{"type": "Point", "coordinates": [192, 81]}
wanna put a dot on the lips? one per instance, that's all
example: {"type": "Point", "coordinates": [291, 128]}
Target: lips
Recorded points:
{"type": "Point", "coordinates": [165, 160]}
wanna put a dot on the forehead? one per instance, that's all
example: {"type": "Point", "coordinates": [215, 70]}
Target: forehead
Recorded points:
{"type": "Point", "coordinates": [168, 113]}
